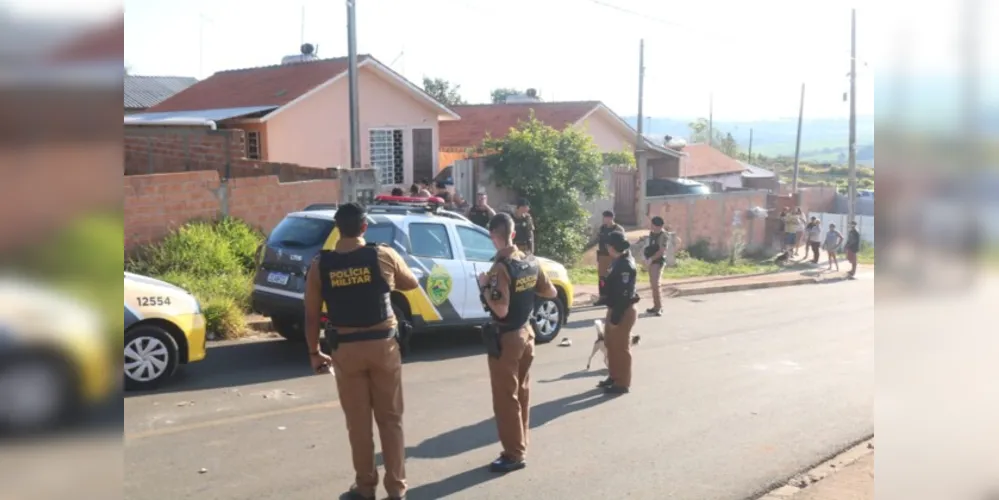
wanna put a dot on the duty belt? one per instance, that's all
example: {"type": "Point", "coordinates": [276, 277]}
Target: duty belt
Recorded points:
{"type": "Point", "coordinates": [346, 338]}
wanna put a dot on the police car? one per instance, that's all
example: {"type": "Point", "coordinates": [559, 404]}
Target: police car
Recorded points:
{"type": "Point", "coordinates": [445, 251]}
{"type": "Point", "coordinates": [54, 357]}
{"type": "Point", "coordinates": [164, 328]}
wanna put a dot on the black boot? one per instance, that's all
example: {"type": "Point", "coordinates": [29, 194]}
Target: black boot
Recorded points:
{"type": "Point", "coordinates": [503, 465]}
{"type": "Point", "coordinates": [603, 384]}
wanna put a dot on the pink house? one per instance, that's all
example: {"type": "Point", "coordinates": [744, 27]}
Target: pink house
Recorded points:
{"type": "Point", "coordinates": [297, 112]}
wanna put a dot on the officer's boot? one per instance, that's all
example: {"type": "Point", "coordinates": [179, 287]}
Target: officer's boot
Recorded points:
{"type": "Point", "coordinates": [607, 382]}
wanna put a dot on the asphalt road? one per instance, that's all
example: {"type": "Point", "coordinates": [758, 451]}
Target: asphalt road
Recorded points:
{"type": "Point", "coordinates": [732, 393]}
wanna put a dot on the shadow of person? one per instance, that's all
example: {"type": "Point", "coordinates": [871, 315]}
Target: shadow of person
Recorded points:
{"type": "Point", "coordinates": [452, 485]}
{"type": "Point", "coordinates": [576, 375]}
{"type": "Point", "coordinates": [471, 437]}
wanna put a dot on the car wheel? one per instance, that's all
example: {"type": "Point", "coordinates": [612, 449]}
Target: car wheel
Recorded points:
{"type": "Point", "coordinates": [405, 329]}
{"type": "Point", "coordinates": [549, 315]}
{"type": "Point", "coordinates": [151, 356]}
{"type": "Point", "coordinates": [36, 393]}
{"type": "Point", "coordinates": [289, 327]}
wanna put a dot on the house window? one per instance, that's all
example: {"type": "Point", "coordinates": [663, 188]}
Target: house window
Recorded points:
{"type": "Point", "coordinates": [385, 146]}
{"type": "Point", "coordinates": [253, 145]}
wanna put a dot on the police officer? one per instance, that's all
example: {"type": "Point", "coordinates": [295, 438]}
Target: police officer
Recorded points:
{"type": "Point", "coordinates": [654, 261]}
{"type": "Point", "coordinates": [621, 315]}
{"type": "Point", "coordinates": [481, 213]}
{"type": "Point", "coordinates": [354, 280]}
{"type": "Point", "coordinates": [523, 227]}
{"type": "Point", "coordinates": [603, 257]}
{"type": "Point", "coordinates": [508, 291]}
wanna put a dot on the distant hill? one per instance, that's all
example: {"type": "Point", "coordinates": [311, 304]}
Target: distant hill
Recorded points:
{"type": "Point", "coordinates": [822, 140]}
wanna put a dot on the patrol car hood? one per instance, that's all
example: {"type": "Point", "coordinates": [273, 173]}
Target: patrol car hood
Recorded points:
{"type": "Point", "coordinates": [33, 310]}
{"type": "Point", "coordinates": [138, 278]}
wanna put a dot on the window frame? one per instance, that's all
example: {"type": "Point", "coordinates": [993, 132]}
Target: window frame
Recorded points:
{"type": "Point", "coordinates": [447, 237]}
{"type": "Point", "coordinates": [464, 248]}
{"type": "Point", "coordinates": [257, 152]}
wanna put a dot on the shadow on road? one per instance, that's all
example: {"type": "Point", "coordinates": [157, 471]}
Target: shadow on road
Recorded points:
{"type": "Point", "coordinates": [580, 323]}
{"type": "Point", "coordinates": [254, 362]}
{"type": "Point", "coordinates": [452, 485]}
{"type": "Point", "coordinates": [576, 375]}
{"type": "Point", "coordinates": [475, 436]}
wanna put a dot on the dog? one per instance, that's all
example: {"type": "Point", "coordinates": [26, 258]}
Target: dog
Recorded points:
{"type": "Point", "coordinates": [782, 258]}
{"type": "Point", "coordinates": [600, 346]}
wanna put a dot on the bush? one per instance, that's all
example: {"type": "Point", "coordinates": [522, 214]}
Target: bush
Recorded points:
{"type": "Point", "coordinates": [224, 318]}
{"type": "Point", "coordinates": [201, 249]}
{"type": "Point", "coordinates": [214, 261]}
{"type": "Point", "coordinates": [554, 170]}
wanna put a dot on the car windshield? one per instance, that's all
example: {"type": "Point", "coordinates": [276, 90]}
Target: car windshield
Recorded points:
{"type": "Point", "coordinates": [382, 233]}
{"type": "Point", "coordinates": [300, 232]}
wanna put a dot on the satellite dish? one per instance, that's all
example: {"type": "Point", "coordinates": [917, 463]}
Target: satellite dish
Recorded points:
{"type": "Point", "coordinates": [308, 49]}
{"type": "Point", "coordinates": [532, 93]}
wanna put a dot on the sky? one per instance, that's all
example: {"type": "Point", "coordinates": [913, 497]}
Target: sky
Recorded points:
{"type": "Point", "coordinates": [752, 56]}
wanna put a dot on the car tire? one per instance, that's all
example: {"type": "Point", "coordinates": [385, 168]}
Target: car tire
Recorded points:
{"type": "Point", "coordinates": [550, 316]}
{"type": "Point", "coordinates": [38, 391]}
{"type": "Point", "coordinates": [405, 330]}
{"type": "Point", "coordinates": [151, 357]}
{"type": "Point", "coordinates": [289, 327]}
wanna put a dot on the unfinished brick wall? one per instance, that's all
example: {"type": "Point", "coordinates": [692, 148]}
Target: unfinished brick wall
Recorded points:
{"type": "Point", "coordinates": [156, 204]}
{"type": "Point", "coordinates": [712, 217]}
{"type": "Point", "coordinates": [160, 150]}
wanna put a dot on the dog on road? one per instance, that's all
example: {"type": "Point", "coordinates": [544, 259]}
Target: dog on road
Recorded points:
{"type": "Point", "coordinates": [601, 347]}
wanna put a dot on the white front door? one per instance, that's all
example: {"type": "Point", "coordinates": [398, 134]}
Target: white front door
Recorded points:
{"type": "Point", "coordinates": [477, 252]}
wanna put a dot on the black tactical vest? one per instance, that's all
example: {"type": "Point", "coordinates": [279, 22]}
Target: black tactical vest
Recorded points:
{"type": "Point", "coordinates": [523, 278]}
{"type": "Point", "coordinates": [522, 229]}
{"type": "Point", "coordinates": [479, 217]}
{"type": "Point", "coordinates": [653, 248]}
{"type": "Point", "coordinates": [355, 293]}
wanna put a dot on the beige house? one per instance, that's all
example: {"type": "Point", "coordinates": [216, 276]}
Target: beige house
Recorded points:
{"type": "Point", "coordinates": [298, 112]}
{"type": "Point", "coordinates": [608, 130]}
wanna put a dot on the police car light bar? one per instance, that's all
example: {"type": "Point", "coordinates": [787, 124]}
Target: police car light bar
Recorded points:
{"type": "Point", "coordinates": [413, 200]}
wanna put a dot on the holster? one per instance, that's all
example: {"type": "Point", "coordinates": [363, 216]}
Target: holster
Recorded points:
{"type": "Point", "coordinates": [403, 336]}
{"type": "Point", "coordinates": [332, 340]}
{"type": "Point", "coordinates": [491, 339]}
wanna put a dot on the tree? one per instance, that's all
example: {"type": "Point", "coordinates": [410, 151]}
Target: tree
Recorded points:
{"type": "Point", "coordinates": [499, 95]}
{"type": "Point", "coordinates": [556, 171]}
{"type": "Point", "coordinates": [728, 145]}
{"type": "Point", "coordinates": [699, 132]}
{"type": "Point", "coordinates": [444, 91]}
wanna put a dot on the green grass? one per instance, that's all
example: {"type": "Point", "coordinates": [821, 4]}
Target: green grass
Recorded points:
{"type": "Point", "coordinates": [212, 260]}
{"type": "Point", "coordinates": [866, 255]}
{"type": "Point", "coordinates": [686, 268]}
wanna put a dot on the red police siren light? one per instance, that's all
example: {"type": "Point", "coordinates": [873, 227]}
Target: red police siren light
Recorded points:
{"type": "Point", "coordinates": [416, 200]}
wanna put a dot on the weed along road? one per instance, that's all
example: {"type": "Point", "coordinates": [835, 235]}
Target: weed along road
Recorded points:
{"type": "Point", "coordinates": [732, 394]}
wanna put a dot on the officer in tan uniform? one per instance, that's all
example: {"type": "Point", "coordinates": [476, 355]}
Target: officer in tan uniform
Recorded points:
{"type": "Point", "coordinates": [508, 292]}
{"type": "Point", "coordinates": [603, 256]}
{"type": "Point", "coordinates": [655, 261]}
{"type": "Point", "coordinates": [621, 315]}
{"type": "Point", "coordinates": [354, 281]}
{"type": "Point", "coordinates": [524, 227]}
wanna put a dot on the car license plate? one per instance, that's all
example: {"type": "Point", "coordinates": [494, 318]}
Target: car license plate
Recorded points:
{"type": "Point", "coordinates": [277, 278]}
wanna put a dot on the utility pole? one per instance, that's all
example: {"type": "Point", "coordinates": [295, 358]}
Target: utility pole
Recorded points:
{"type": "Point", "coordinates": [749, 158]}
{"type": "Point", "coordinates": [853, 118]}
{"type": "Point", "coordinates": [797, 147]}
{"type": "Point", "coordinates": [711, 119]}
{"type": "Point", "coordinates": [303, 25]}
{"type": "Point", "coordinates": [355, 134]}
{"type": "Point", "coordinates": [639, 141]}
{"type": "Point", "coordinates": [641, 161]}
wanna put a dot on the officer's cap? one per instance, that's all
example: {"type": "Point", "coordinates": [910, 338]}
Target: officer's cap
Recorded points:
{"type": "Point", "coordinates": [658, 221]}
{"type": "Point", "coordinates": [618, 241]}
{"type": "Point", "coordinates": [609, 213]}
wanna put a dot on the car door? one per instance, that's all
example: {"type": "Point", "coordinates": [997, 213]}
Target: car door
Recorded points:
{"type": "Point", "coordinates": [441, 272]}
{"type": "Point", "coordinates": [477, 252]}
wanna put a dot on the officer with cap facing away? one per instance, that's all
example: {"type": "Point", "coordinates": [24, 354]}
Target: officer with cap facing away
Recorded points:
{"type": "Point", "coordinates": [603, 256]}
{"type": "Point", "coordinates": [508, 292]}
{"type": "Point", "coordinates": [524, 227]}
{"type": "Point", "coordinates": [621, 315]}
{"type": "Point", "coordinates": [354, 281]}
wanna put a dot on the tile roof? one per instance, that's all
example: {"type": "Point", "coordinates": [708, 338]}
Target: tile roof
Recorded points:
{"type": "Point", "coordinates": [264, 86]}
{"type": "Point", "coordinates": [479, 120]}
{"type": "Point", "coordinates": [147, 91]}
{"type": "Point", "coordinates": [703, 160]}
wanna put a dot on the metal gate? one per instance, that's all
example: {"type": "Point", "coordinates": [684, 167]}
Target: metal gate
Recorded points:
{"type": "Point", "coordinates": [625, 187]}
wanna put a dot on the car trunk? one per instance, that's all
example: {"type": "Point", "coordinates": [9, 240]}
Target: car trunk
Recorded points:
{"type": "Point", "coordinates": [288, 253]}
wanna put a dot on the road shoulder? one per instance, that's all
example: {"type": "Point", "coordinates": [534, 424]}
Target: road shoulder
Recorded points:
{"type": "Point", "coordinates": [848, 476]}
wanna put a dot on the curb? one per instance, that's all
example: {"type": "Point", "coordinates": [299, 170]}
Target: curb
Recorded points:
{"type": "Point", "coordinates": [822, 471]}
{"type": "Point", "coordinates": [674, 292]}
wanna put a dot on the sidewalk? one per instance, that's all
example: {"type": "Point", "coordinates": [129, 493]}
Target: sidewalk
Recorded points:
{"type": "Point", "coordinates": [585, 295]}
{"type": "Point", "coordinates": [854, 482]}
